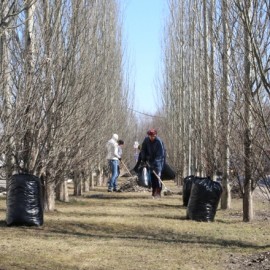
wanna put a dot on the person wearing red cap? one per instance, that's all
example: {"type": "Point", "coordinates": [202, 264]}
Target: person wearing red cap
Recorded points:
{"type": "Point", "coordinates": [153, 154]}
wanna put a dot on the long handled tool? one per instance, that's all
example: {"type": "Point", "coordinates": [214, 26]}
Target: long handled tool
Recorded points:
{"type": "Point", "coordinates": [165, 188]}
{"type": "Point", "coordinates": [126, 167]}
{"type": "Point", "coordinates": [157, 176]}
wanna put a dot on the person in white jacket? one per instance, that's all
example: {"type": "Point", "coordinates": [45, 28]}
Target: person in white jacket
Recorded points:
{"type": "Point", "coordinates": [113, 160]}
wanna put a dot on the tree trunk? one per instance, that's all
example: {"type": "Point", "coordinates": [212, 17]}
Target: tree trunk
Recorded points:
{"type": "Point", "coordinates": [7, 98]}
{"type": "Point", "coordinates": [213, 113]}
{"type": "Point", "coordinates": [100, 175]}
{"type": "Point", "coordinates": [247, 198]}
{"type": "Point", "coordinates": [77, 184]}
{"type": "Point", "coordinates": [48, 193]}
{"type": "Point", "coordinates": [226, 194]}
{"type": "Point", "coordinates": [29, 66]}
{"type": "Point", "coordinates": [62, 191]}
{"type": "Point", "coordinates": [92, 179]}
{"type": "Point", "coordinates": [206, 122]}
{"type": "Point", "coordinates": [86, 183]}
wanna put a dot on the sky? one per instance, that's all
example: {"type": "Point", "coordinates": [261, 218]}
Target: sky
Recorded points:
{"type": "Point", "coordinates": [143, 22]}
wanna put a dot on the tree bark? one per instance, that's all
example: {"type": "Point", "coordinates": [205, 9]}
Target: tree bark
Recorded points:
{"type": "Point", "coordinates": [48, 193]}
{"type": "Point", "coordinates": [77, 184]}
{"type": "Point", "coordinates": [226, 197]}
{"type": "Point", "coordinates": [62, 191]}
{"type": "Point", "coordinates": [247, 198]}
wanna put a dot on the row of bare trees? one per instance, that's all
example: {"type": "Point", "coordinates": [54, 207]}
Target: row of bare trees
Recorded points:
{"type": "Point", "coordinates": [63, 89]}
{"type": "Point", "coordinates": [216, 83]}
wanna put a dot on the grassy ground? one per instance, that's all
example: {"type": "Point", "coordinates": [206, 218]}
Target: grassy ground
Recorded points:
{"type": "Point", "coordinates": [131, 231]}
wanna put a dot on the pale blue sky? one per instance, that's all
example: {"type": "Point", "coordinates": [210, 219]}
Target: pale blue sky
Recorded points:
{"type": "Point", "coordinates": [143, 23]}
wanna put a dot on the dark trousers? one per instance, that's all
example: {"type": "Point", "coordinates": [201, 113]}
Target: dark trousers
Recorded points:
{"type": "Point", "coordinates": [156, 186]}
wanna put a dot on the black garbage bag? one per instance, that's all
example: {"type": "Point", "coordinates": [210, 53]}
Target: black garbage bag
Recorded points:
{"type": "Point", "coordinates": [167, 172]}
{"type": "Point", "coordinates": [204, 198]}
{"type": "Point", "coordinates": [24, 201]}
{"type": "Point", "coordinates": [144, 177]}
{"type": "Point", "coordinates": [187, 185]}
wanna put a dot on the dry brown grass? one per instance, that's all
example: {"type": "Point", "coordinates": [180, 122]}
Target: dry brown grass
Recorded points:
{"type": "Point", "coordinates": [131, 231]}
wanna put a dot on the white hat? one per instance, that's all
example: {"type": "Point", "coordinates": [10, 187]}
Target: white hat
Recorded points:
{"type": "Point", "coordinates": [115, 137]}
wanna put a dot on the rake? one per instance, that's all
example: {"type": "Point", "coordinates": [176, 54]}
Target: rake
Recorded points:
{"type": "Point", "coordinates": [165, 188]}
{"type": "Point", "coordinates": [126, 168]}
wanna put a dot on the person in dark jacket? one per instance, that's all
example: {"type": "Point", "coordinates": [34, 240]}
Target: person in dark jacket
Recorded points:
{"type": "Point", "coordinates": [153, 154]}
{"type": "Point", "coordinates": [139, 160]}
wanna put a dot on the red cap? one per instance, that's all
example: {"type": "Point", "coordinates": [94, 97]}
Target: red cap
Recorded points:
{"type": "Point", "coordinates": [151, 132]}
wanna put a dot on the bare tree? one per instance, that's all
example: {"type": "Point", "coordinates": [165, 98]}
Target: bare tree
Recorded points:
{"type": "Point", "coordinates": [224, 76]}
{"type": "Point", "coordinates": [66, 84]}
{"type": "Point", "coordinates": [225, 198]}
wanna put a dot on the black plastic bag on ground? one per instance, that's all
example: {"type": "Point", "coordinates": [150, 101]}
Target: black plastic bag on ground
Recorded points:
{"type": "Point", "coordinates": [24, 201]}
{"type": "Point", "coordinates": [144, 177]}
{"type": "Point", "coordinates": [204, 198]}
{"type": "Point", "coordinates": [187, 185]}
{"type": "Point", "coordinates": [167, 172]}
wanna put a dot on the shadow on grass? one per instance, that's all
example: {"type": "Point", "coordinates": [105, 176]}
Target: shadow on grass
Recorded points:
{"type": "Point", "coordinates": [141, 198]}
{"type": "Point", "coordinates": [171, 205]}
{"type": "Point", "coordinates": [104, 231]}
{"type": "Point", "coordinates": [222, 221]}
{"type": "Point", "coordinates": [120, 195]}
{"type": "Point", "coordinates": [151, 214]}
{"type": "Point", "coordinates": [114, 196]}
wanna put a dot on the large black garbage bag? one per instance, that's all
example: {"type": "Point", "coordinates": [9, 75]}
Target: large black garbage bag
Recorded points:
{"type": "Point", "coordinates": [187, 185]}
{"type": "Point", "coordinates": [24, 201]}
{"type": "Point", "coordinates": [204, 198]}
{"type": "Point", "coordinates": [144, 177]}
{"type": "Point", "coordinates": [167, 172]}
